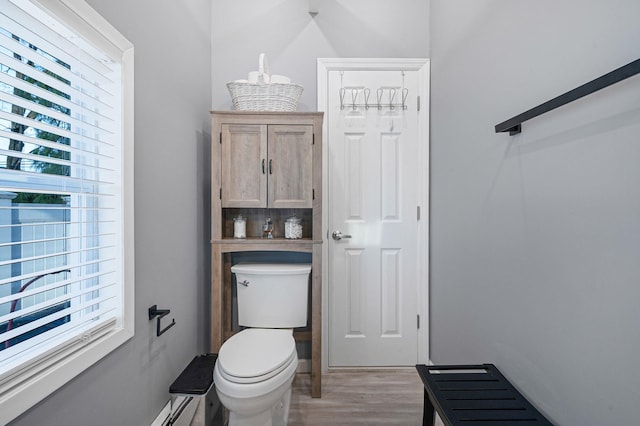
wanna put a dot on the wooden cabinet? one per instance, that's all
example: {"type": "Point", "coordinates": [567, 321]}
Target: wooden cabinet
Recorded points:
{"type": "Point", "coordinates": [266, 164]}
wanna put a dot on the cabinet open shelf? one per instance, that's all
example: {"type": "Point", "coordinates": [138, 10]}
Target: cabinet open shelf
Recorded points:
{"type": "Point", "coordinates": [256, 218]}
{"type": "Point", "coordinates": [260, 240]}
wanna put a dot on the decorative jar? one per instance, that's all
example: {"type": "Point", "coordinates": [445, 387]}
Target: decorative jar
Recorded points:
{"type": "Point", "coordinates": [239, 227]}
{"type": "Point", "coordinates": [293, 228]}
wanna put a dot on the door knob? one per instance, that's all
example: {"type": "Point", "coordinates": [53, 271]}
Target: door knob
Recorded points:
{"type": "Point", "coordinates": [338, 235]}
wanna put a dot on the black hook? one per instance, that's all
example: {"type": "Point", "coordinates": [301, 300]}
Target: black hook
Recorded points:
{"type": "Point", "coordinates": [155, 312]}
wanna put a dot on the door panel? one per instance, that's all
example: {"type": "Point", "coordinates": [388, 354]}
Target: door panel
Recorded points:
{"type": "Point", "coordinates": [244, 156]}
{"type": "Point", "coordinates": [373, 198]}
{"type": "Point", "coordinates": [290, 166]}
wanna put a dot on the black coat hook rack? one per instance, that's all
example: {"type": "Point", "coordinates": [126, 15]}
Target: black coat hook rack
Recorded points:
{"type": "Point", "coordinates": [159, 313]}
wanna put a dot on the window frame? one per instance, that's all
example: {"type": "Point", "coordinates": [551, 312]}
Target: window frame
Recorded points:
{"type": "Point", "coordinates": [27, 387]}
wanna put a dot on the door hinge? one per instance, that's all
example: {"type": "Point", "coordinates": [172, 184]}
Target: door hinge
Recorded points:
{"type": "Point", "coordinates": [418, 212]}
{"type": "Point", "coordinates": [418, 321]}
{"type": "Point", "coordinates": [418, 103]}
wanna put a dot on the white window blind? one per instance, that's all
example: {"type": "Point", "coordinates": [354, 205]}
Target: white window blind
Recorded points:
{"type": "Point", "coordinates": [61, 188]}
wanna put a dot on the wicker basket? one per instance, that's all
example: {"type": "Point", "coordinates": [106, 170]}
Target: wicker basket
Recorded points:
{"type": "Point", "coordinates": [264, 96]}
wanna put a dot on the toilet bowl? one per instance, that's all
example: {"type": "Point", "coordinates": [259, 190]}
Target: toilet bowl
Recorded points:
{"type": "Point", "coordinates": [253, 376]}
{"type": "Point", "coordinates": [255, 367]}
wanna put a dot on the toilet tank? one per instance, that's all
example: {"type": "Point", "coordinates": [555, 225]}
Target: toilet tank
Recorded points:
{"type": "Point", "coordinates": [272, 295]}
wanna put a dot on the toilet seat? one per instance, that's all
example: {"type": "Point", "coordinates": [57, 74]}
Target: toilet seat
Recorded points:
{"type": "Point", "coordinates": [255, 355]}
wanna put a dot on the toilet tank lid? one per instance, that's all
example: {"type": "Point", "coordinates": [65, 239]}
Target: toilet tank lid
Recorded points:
{"type": "Point", "coordinates": [271, 268]}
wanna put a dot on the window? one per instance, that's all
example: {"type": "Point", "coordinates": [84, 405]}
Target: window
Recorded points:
{"type": "Point", "coordinates": [66, 222]}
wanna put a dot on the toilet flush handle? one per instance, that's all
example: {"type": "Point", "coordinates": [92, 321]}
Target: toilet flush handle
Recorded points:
{"type": "Point", "coordinates": [244, 283]}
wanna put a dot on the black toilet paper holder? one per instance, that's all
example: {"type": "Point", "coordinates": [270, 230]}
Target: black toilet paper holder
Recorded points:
{"type": "Point", "coordinates": [154, 312]}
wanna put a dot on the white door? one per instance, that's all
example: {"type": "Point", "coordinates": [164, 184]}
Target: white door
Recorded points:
{"type": "Point", "coordinates": [374, 248]}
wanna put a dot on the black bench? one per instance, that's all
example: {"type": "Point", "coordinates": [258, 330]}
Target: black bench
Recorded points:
{"type": "Point", "coordinates": [477, 395]}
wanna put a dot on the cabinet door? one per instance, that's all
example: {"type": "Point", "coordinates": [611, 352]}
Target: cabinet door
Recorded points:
{"type": "Point", "coordinates": [290, 166]}
{"type": "Point", "coordinates": [244, 165]}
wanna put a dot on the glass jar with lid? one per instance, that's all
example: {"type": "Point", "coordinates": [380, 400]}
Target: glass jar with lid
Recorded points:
{"type": "Point", "coordinates": [293, 228]}
{"type": "Point", "coordinates": [239, 227]}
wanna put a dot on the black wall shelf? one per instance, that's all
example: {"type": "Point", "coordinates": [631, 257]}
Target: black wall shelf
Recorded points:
{"type": "Point", "coordinates": [514, 124]}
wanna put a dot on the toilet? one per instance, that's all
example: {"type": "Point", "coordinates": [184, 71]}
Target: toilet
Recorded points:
{"type": "Point", "coordinates": [255, 367]}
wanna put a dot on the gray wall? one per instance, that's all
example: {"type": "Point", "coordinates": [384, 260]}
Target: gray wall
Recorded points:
{"type": "Point", "coordinates": [535, 239]}
{"type": "Point", "coordinates": [172, 99]}
{"type": "Point", "coordinates": [293, 40]}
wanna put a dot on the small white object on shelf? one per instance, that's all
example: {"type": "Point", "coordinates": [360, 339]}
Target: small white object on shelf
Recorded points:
{"type": "Point", "coordinates": [239, 227]}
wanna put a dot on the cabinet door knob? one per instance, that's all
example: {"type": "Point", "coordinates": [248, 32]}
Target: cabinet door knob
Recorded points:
{"type": "Point", "coordinates": [263, 166]}
{"type": "Point", "coordinates": [270, 168]}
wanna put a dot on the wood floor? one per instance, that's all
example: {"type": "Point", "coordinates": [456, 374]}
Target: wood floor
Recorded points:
{"type": "Point", "coordinates": [359, 397]}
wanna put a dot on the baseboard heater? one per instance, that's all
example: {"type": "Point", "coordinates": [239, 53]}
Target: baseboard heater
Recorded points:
{"type": "Point", "coordinates": [181, 412]}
